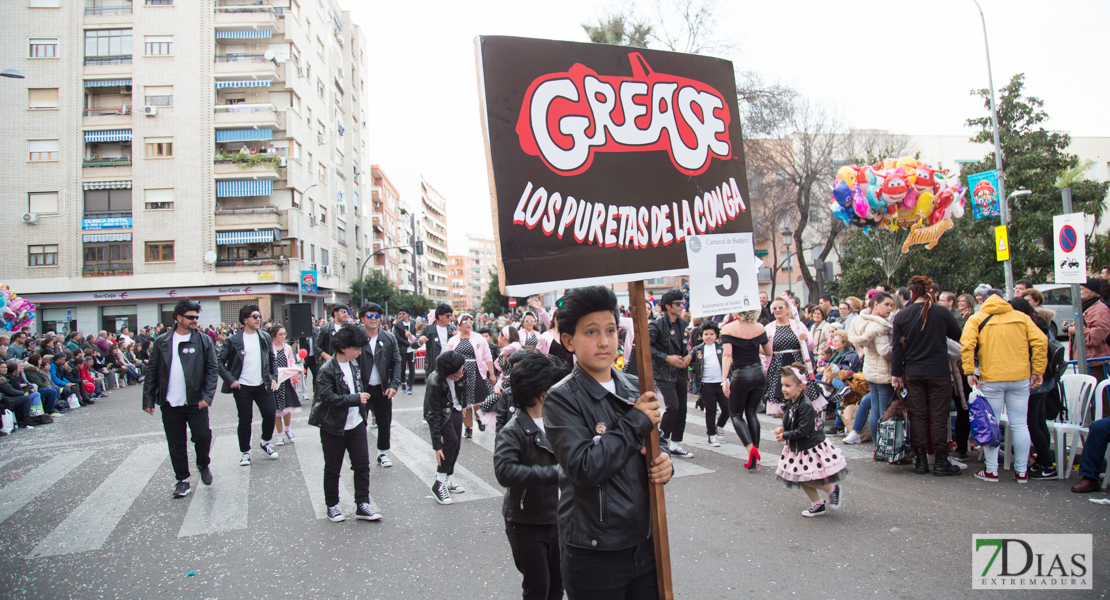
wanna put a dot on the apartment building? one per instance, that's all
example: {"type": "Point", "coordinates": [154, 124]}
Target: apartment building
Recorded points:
{"type": "Point", "coordinates": [388, 235]}
{"type": "Point", "coordinates": [458, 277]}
{"type": "Point", "coordinates": [482, 257]}
{"type": "Point", "coordinates": [406, 231]}
{"type": "Point", "coordinates": [433, 232]}
{"type": "Point", "coordinates": [160, 149]}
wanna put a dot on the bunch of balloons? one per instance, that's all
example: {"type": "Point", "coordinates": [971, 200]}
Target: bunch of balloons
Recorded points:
{"type": "Point", "coordinates": [15, 312]}
{"type": "Point", "coordinates": [895, 194]}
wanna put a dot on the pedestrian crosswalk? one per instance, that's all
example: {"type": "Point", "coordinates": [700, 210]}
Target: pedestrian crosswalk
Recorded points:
{"type": "Point", "coordinates": [225, 506]}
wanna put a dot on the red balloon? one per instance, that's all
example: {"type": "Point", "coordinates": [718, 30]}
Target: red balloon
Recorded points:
{"type": "Point", "coordinates": [302, 353]}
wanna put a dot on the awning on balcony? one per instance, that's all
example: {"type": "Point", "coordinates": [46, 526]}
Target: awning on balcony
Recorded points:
{"type": "Point", "coordinates": [244, 187]}
{"type": "Point", "coordinates": [106, 237]}
{"type": "Point", "coordinates": [112, 135]}
{"type": "Point", "coordinates": [106, 185]}
{"type": "Point", "coordinates": [106, 82]}
{"type": "Point", "coordinates": [243, 34]}
{"type": "Point", "coordinates": [226, 238]}
{"type": "Point", "coordinates": [243, 135]}
{"type": "Point", "coordinates": [243, 83]}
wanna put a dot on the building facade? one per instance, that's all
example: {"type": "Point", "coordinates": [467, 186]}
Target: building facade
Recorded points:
{"type": "Point", "coordinates": [388, 233]}
{"type": "Point", "coordinates": [433, 232]}
{"type": "Point", "coordinates": [458, 277]}
{"type": "Point", "coordinates": [161, 149]}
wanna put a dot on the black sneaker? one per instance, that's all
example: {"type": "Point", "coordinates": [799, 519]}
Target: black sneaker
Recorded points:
{"type": "Point", "coordinates": [182, 489]}
{"type": "Point", "coordinates": [384, 461]}
{"type": "Point", "coordinates": [439, 490]}
{"type": "Point", "coordinates": [469, 433]}
{"type": "Point", "coordinates": [365, 513]}
{"type": "Point", "coordinates": [681, 453]}
{"type": "Point", "coordinates": [481, 425]}
{"type": "Point", "coordinates": [835, 497]}
{"type": "Point", "coordinates": [816, 510]}
{"type": "Point", "coordinates": [268, 448]}
{"type": "Point", "coordinates": [335, 514]}
{"type": "Point", "coordinates": [1039, 473]}
{"type": "Point", "coordinates": [834, 431]}
{"type": "Point", "coordinates": [206, 476]}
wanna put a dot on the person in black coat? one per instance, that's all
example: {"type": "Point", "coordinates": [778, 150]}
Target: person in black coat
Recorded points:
{"type": "Point", "coordinates": [404, 330]}
{"type": "Point", "coordinates": [669, 358]}
{"type": "Point", "coordinates": [524, 463]}
{"type": "Point", "coordinates": [380, 365]}
{"type": "Point", "coordinates": [708, 358]}
{"type": "Point", "coordinates": [339, 409]}
{"type": "Point", "coordinates": [181, 378]}
{"type": "Point", "coordinates": [322, 346]}
{"type": "Point", "coordinates": [444, 398]}
{"type": "Point", "coordinates": [247, 366]}
{"type": "Point", "coordinates": [435, 336]}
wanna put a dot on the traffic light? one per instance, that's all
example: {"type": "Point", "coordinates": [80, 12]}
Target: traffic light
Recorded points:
{"type": "Point", "coordinates": [420, 248]}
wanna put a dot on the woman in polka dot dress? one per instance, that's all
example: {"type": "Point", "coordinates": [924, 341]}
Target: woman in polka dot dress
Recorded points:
{"type": "Point", "coordinates": [807, 461]}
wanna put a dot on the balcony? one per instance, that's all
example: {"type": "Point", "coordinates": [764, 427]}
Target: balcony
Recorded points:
{"type": "Point", "coordinates": [247, 215]}
{"type": "Point", "coordinates": [109, 270]}
{"type": "Point", "coordinates": [101, 168]}
{"type": "Point", "coordinates": [120, 161]}
{"type": "Point", "coordinates": [249, 66]}
{"type": "Point", "coordinates": [249, 115]}
{"type": "Point", "coordinates": [106, 117]}
{"type": "Point", "coordinates": [238, 164]}
{"type": "Point", "coordinates": [107, 8]}
{"type": "Point", "coordinates": [252, 263]}
{"type": "Point", "coordinates": [123, 59]}
{"type": "Point", "coordinates": [253, 15]}
{"type": "Point", "coordinates": [764, 274]}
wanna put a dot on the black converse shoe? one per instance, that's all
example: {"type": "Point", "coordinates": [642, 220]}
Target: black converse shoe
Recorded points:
{"type": "Point", "coordinates": [384, 461]}
{"type": "Point", "coordinates": [816, 510]}
{"type": "Point", "coordinates": [439, 490]}
{"type": "Point", "coordinates": [455, 489]}
{"type": "Point", "coordinates": [182, 489]}
{"type": "Point", "coordinates": [469, 433]}
{"type": "Point", "coordinates": [268, 448]}
{"type": "Point", "coordinates": [681, 453]}
{"type": "Point", "coordinates": [206, 476]}
{"type": "Point", "coordinates": [245, 461]}
{"type": "Point", "coordinates": [365, 513]}
{"type": "Point", "coordinates": [836, 498]}
{"type": "Point", "coordinates": [335, 514]}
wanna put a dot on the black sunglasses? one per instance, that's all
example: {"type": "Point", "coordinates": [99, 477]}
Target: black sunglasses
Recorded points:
{"type": "Point", "coordinates": [191, 317]}
{"type": "Point", "coordinates": [255, 316]}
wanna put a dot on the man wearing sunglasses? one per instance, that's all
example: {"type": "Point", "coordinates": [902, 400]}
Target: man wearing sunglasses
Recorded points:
{"type": "Point", "coordinates": [669, 359]}
{"type": "Point", "coordinates": [322, 346]}
{"type": "Point", "coordinates": [249, 371]}
{"type": "Point", "coordinates": [379, 366]}
{"type": "Point", "coordinates": [181, 377]}
{"type": "Point", "coordinates": [404, 330]}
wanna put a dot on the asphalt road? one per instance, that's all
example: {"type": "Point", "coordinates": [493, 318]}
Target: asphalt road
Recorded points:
{"type": "Point", "coordinates": [86, 512]}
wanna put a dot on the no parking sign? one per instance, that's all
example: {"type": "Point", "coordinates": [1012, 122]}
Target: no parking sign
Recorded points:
{"type": "Point", "coordinates": [1070, 248]}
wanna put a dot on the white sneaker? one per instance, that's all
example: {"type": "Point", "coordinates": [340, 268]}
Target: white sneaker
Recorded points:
{"type": "Point", "coordinates": [714, 441]}
{"type": "Point", "coordinates": [853, 438]}
{"type": "Point", "coordinates": [245, 461]}
{"type": "Point", "coordinates": [962, 466]}
{"type": "Point", "coordinates": [280, 441]}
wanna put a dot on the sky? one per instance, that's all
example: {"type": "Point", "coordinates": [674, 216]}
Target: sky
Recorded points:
{"type": "Point", "coordinates": [905, 67]}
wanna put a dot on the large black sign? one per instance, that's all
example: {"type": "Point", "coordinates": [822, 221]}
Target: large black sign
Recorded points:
{"type": "Point", "coordinates": [603, 159]}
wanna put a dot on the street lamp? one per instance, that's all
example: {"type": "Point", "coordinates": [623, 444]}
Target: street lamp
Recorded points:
{"type": "Point", "coordinates": [11, 74]}
{"type": "Point", "coordinates": [787, 237]}
{"type": "Point", "coordinates": [300, 242]}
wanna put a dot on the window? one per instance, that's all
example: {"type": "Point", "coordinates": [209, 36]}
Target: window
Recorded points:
{"type": "Point", "coordinates": [113, 201]}
{"type": "Point", "coordinates": [42, 98]}
{"type": "Point", "coordinates": [39, 150]}
{"type": "Point", "coordinates": [323, 173]}
{"type": "Point", "coordinates": [44, 4]}
{"type": "Point", "coordinates": [320, 46]}
{"type": "Point", "coordinates": [42, 256]}
{"type": "Point", "coordinates": [42, 48]}
{"type": "Point", "coordinates": [159, 147]}
{"type": "Point", "coordinates": [107, 43]}
{"type": "Point", "coordinates": [158, 95]}
{"type": "Point", "coordinates": [159, 45]}
{"type": "Point", "coordinates": [319, 87]}
{"type": "Point", "coordinates": [159, 199]}
{"type": "Point", "coordinates": [107, 259]}
{"type": "Point", "coordinates": [323, 257]}
{"type": "Point", "coordinates": [323, 215]}
{"type": "Point", "coordinates": [159, 2]}
{"type": "Point", "coordinates": [159, 251]}
{"type": "Point", "coordinates": [114, 318]}
{"type": "Point", "coordinates": [312, 253]}
{"type": "Point", "coordinates": [342, 231]}
{"type": "Point", "coordinates": [45, 203]}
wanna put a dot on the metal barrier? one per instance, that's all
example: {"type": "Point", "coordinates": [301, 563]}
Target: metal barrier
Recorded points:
{"type": "Point", "coordinates": [1074, 365]}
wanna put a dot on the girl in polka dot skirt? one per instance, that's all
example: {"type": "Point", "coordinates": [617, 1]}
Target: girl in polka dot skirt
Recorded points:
{"type": "Point", "coordinates": [807, 461]}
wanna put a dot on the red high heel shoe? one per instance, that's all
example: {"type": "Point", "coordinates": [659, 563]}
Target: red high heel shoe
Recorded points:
{"type": "Point", "coordinates": [753, 459]}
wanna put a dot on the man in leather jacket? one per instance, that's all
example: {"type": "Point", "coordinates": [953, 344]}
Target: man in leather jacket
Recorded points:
{"type": "Point", "coordinates": [669, 359]}
{"type": "Point", "coordinates": [249, 371]}
{"type": "Point", "coordinates": [322, 346]}
{"type": "Point", "coordinates": [524, 463]}
{"type": "Point", "coordinates": [443, 406]}
{"type": "Point", "coordinates": [435, 336]}
{"type": "Point", "coordinates": [596, 421]}
{"type": "Point", "coordinates": [181, 378]}
{"type": "Point", "coordinates": [404, 330]}
{"type": "Point", "coordinates": [380, 366]}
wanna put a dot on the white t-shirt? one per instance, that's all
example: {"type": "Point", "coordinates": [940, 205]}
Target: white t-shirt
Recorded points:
{"type": "Point", "coordinates": [454, 398]}
{"type": "Point", "coordinates": [610, 385]}
{"type": "Point", "coordinates": [374, 379]}
{"type": "Point", "coordinates": [403, 341]}
{"type": "Point", "coordinates": [175, 393]}
{"type": "Point", "coordinates": [252, 360]}
{"type": "Point", "coordinates": [443, 337]}
{"type": "Point", "coordinates": [353, 416]}
{"type": "Point", "coordinates": [711, 365]}
{"type": "Point", "coordinates": [539, 424]}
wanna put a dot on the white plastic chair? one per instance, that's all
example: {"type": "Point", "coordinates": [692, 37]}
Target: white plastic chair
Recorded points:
{"type": "Point", "coordinates": [1078, 392]}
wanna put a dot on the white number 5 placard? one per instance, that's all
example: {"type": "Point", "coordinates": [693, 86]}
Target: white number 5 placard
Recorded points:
{"type": "Point", "coordinates": [724, 274]}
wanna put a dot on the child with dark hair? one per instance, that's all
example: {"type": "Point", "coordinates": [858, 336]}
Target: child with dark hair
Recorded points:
{"type": "Point", "coordinates": [444, 402]}
{"type": "Point", "coordinates": [706, 365]}
{"type": "Point", "coordinates": [339, 410]}
{"type": "Point", "coordinates": [524, 463]}
{"type": "Point", "coordinates": [597, 421]}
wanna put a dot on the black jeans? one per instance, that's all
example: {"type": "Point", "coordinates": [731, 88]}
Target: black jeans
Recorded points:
{"type": "Point", "coordinates": [961, 431]}
{"type": "Point", "coordinates": [627, 574]}
{"type": "Point", "coordinates": [354, 443]}
{"type": "Point", "coordinates": [1038, 431]}
{"type": "Point", "coordinates": [536, 554]}
{"type": "Point", "coordinates": [408, 366]}
{"type": "Point", "coordinates": [383, 412]}
{"type": "Point", "coordinates": [452, 435]}
{"type": "Point", "coordinates": [674, 398]}
{"type": "Point", "coordinates": [713, 396]}
{"type": "Point", "coordinates": [174, 421]}
{"type": "Point", "coordinates": [928, 400]}
{"type": "Point", "coordinates": [267, 405]}
{"type": "Point", "coordinates": [747, 387]}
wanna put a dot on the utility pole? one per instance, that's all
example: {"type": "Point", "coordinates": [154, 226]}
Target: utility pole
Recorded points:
{"type": "Point", "coordinates": [300, 243]}
{"type": "Point", "coordinates": [1004, 209]}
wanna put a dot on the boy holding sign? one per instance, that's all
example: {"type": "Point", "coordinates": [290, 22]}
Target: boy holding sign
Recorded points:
{"type": "Point", "coordinates": [596, 421]}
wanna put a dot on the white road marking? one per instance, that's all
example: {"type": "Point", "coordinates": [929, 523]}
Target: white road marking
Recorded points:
{"type": "Point", "coordinates": [684, 468]}
{"type": "Point", "coordinates": [310, 455]}
{"type": "Point", "coordinates": [222, 506]}
{"type": "Point", "coordinates": [36, 481]}
{"type": "Point", "coordinates": [88, 527]}
{"type": "Point", "coordinates": [418, 456]}
{"type": "Point", "coordinates": [486, 439]}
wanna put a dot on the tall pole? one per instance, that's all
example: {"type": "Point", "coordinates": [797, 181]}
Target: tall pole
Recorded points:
{"type": "Point", "coordinates": [1004, 209]}
{"type": "Point", "coordinates": [300, 243]}
{"type": "Point", "coordinates": [1078, 338]}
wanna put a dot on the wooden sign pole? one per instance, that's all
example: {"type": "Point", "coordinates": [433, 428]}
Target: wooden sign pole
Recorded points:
{"type": "Point", "coordinates": [647, 384]}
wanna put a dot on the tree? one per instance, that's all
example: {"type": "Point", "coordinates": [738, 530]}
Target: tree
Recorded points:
{"type": "Point", "coordinates": [493, 301]}
{"type": "Point", "coordinates": [618, 30]}
{"type": "Point", "coordinates": [378, 289]}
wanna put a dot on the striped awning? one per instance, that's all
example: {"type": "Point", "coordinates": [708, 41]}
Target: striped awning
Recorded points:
{"type": "Point", "coordinates": [226, 238]}
{"type": "Point", "coordinates": [106, 237]}
{"type": "Point", "coordinates": [106, 185]}
{"type": "Point", "coordinates": [235, 188]}
{"type": "Point", "coordinates": [243, 83]}
{"type": "Point", "coordinates": [110, 135]}
{"type": "Point", "coordinates": [243, 34]}
{"type": "Point", "coordinates": [106, 82]}
{"type": "Point", "coordinates": [243, 135]}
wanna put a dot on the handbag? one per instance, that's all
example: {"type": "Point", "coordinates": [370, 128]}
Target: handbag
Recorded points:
{"type": "Point", "coordinates": [984, 423]}
{"type": "Point", "coordinates": [893, 442]}
{"type": "Point", "coordinates": [36, 408]}
{"type": "Point", "coordinates": [7, 422]}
